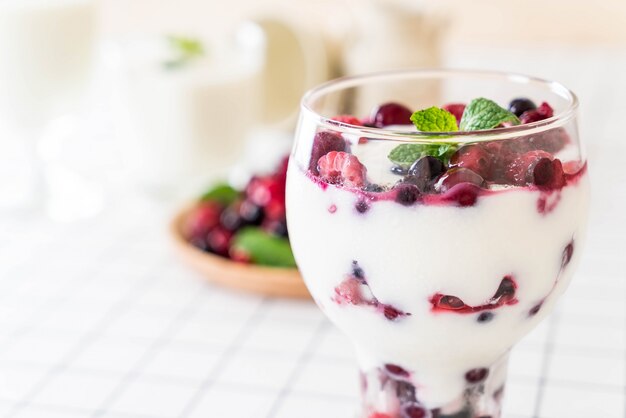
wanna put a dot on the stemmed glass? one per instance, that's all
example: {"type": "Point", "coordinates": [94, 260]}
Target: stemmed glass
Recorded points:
{"type": "Point", "coordinates": [46, 61]}
{"type": "Point", "coordinates": [435, 268]}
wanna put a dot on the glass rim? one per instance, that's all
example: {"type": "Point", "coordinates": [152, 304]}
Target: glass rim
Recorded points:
{"type": "Point", "coordinates": [553, 122]}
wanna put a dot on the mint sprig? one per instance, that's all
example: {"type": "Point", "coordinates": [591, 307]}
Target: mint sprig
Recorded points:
{"type": "Point", "coordinates": [483, 114]}
{"type": "Point", "coordinates": [434, 119]}
{"type": "Point", "coordinates": [406, 154]}
{"type": "Point", "coordinates": [184, 50]}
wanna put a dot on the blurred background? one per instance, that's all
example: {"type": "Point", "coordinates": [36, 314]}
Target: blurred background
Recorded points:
{"type": "Point", "coordinates": [118, 116]}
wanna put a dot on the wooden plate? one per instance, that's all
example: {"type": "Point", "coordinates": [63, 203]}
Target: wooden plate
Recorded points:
{"type": "Point", "coordinates": [272, 281]}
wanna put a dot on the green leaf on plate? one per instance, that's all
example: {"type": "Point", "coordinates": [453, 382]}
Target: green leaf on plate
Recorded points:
{"type": "Point", "coordinates": [263, 248]}
{"type": "Point", "coordinates": [221, 193]}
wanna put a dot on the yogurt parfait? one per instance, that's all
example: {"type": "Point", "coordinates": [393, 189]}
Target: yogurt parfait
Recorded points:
{"type": "Point", "coordinates": [437, 229]}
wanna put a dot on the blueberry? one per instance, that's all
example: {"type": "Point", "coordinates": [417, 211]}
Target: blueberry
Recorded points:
{"type": "Point", "coordinates": [357, 271]}
{"type": "Point", "coordinates": [521, 105]}
{"type": "Point", "coordinates": [278, 228]}
{"type": "Point", "coordinates": [230, 218]}
{"type": "Point", "coordinates": [427, 167]}
{"type": "Point", "coordinates": [413, 410]}
{"type": "Point", "coordinates": [407, 194]}
{"type": "Point", "coordinates": [485, 317]}
{"type": "Point", "coordinates": [399, 170]}
{"type": "Point", "coordinates": [376, 188]}
{"type": "Point", "coordinates": [476, 375]}
{"type": "Point", "coordinates": [362, 206]}
{"type": "Point", "coordinates": [251, 213]}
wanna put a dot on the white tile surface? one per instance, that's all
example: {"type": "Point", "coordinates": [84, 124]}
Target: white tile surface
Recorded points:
{"type": "Point", "coordinates": [76, 390]}
{"type": "Point", "coordinates": [155, 399]}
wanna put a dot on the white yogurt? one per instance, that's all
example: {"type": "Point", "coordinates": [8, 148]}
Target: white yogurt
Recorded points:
{"type": "Point", "coordinates": [410, 253]}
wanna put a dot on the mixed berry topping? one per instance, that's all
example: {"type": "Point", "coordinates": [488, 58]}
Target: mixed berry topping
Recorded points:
{"type": "Point", "coordinates": [354, 290]}
{"type": "Point", "coordinates": [504, 295]}
{"type": "Point", "coordinates": [448, 172]}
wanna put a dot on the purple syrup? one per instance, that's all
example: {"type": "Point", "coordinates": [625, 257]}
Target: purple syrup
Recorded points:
{"type": "Point", "coordinates": [568, 252]}
{"type": "Point", "coordinates": [349, 292]}
{"type": "Point", "coordinates": [504, 295]}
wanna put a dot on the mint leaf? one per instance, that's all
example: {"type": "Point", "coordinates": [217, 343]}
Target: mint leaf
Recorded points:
{"type": "Point", "coordinates": [483, 113]}
{"type": "Point", "coordinates": [406, 154]}
{"type": "Point", "coordinates": [434, 119]}
{"type": "Point", "coordinates": [263, 248]}
{"type": "Point", "coordinates": [184, 50]}
{"type": "Point", "coordinates": [221, 193]}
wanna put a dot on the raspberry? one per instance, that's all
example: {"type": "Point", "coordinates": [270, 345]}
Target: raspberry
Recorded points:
{"type": "Point", "coordinates": [323, 143]}
{"type": "Point", "coordinates": [338, 167]}
{"type": "Point", "coordinates": [348, 119]}
{"type": "Point", "coordinates": [456, 109]}
{"type": "Point", "coordinates": [544, 111]}
{"type": "Point", "coordinates": [201, 220]}
{"type": "Point", "coordinates": [349, 291]}
{"type": "Point", "coordinates": [218, 241]}
{"type": "Point", "coordinates": [263, 190]}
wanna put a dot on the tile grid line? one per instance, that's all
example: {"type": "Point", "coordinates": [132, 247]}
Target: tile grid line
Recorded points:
{"type": "Point", "coordinates": [305, 356]}
{"type": "Point", "coordinates": [65, 292]}
{"type": "Point", "coordinates": [132, 374]}
{"type": "Point", "coordinates": [253, 319]}
{"type": "Point", "coordinates": [114, 311]}
{"type": "Point", "coordinates": [545, 365]}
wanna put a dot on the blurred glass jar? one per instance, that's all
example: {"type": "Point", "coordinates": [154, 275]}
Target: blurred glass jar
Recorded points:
{"type": "Point", "coordinates": [184, 106]}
